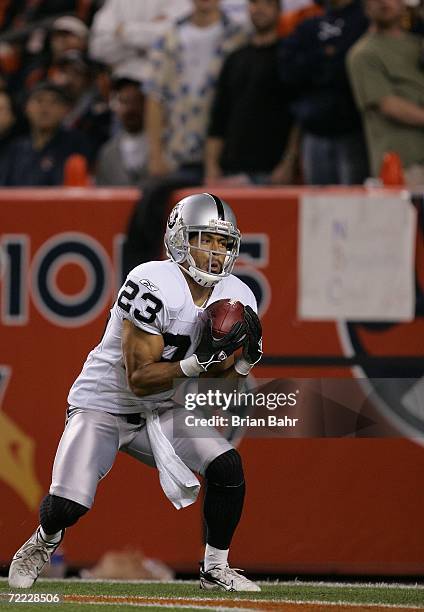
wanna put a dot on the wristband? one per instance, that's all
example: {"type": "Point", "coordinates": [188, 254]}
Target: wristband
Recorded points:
{"type": "Point", "coordinates": [190, 367]}
{"type": "Point", "coordinates": [242, 366]}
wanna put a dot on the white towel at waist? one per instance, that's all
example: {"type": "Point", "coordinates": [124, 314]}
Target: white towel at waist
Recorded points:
{"type": "Point", "coordinates": [178, 482]}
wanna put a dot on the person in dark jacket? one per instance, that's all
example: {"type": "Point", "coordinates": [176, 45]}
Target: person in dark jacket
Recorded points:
{"type": "Point", "coordinates": [312, 63]}
{"type": "Point", "coordinates": [38, 159]}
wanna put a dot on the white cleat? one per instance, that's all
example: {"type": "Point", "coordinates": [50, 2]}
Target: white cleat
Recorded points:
{"type": "Point", "coordinates": [225, 579]}
{"type": "Point", "coordinates": [29, 560]}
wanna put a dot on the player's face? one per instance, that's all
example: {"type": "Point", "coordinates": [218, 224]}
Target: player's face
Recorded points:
{"type": "Point", "coordinates": [209, 251]}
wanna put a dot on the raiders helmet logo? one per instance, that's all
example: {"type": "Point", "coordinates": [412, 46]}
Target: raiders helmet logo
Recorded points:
{"type": "Point", "coordinates": [173, 217]}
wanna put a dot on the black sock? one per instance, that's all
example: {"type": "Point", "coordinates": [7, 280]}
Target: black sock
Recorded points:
{"type": "Point", "coordinates": [224, 498]}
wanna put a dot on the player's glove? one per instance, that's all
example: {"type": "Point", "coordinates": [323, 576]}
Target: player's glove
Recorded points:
{"type": "Point", "coordinates": [252, 346]}
{"type": "Point", "coordinates": [211, 350]}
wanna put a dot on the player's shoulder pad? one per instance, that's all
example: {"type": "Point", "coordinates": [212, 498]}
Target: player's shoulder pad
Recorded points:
{"type": "Point", "coordinates": [160, 277]}
{"type": "Point", "coordinates": [232, 287]}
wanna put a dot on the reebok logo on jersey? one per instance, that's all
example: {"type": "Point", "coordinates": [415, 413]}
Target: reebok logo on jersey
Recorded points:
{"type": "Point", "coordinates": [150, 286]}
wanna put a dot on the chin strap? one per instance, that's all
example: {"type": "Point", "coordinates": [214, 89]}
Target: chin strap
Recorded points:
{"type": "Point", "coordinates": [194, 274]}
{"type": "Point", "coordinates": [198, 277]}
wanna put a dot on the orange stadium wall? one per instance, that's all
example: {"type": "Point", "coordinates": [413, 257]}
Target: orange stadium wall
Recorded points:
{"type": "Point", "coordinates": [324, 506]}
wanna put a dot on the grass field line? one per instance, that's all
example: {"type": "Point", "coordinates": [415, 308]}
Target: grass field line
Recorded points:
{"type": "Point", "coordinates": [289, 583]}
{"type": "Point", "coordinates": [350, 585]}
{"type": "Point", "coordinates": [234, 603]}
{"type": "Point", "coordinates": [173, 606]}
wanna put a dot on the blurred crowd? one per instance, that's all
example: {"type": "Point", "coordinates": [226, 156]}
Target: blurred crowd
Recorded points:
{"type": "Point", "coordinates": [163, 94]}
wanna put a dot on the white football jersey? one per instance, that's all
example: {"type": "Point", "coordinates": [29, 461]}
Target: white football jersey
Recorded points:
{"type": "Point", "coordinates": [156, 298]}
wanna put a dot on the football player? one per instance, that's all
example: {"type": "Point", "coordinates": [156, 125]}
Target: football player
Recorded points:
{"type": "Point", "coordinates": [122, 399]}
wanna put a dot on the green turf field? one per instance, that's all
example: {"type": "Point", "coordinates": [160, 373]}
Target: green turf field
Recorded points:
{"type": "Point", "coordinates": [186, 595]}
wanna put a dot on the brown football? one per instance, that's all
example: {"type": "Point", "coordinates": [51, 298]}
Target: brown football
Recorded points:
{"type": "Point", "coordinates": [223, 314]}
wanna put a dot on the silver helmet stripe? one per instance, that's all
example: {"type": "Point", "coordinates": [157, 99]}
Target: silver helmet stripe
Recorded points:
{"type": "Point", "coordinates": [219, 206]}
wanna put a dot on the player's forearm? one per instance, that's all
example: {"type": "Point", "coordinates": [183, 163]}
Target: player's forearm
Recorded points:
{"type": "Point", "coordinates": [402, 110]}
{"type": "Point", "coordinates": [154, 378]}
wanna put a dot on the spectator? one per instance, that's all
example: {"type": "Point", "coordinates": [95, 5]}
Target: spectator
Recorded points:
{"type": "Point", "coordinates": [123, 31]}
{"type": "Point", "coordinates": [250, 120]}
{"type": "Point", "coordinates": [123, 159]}
{"type": "Point", "coordinates": [10, 127]}
{"type": "Point", "coordinates": [89, 111]}
{"type": "Point", "coordinates": [67, 33]}
{"type": "Point", "coordinates": [312, 63]}
{"type": "Point", "coordinates": [387, 71]}
{"type": "Point", "coordinates": [28, 43]}
{"type": "Point", "coordinates": [185, 65]}
{"type": "Point", "coordinates": [38, 159]}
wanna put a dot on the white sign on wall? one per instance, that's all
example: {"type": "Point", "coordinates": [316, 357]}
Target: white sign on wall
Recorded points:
{"type": "Point", "coordinates": [356, 258]}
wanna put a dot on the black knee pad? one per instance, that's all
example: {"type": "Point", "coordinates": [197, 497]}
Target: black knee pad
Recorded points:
{"type": "Point", "coordinates": [226, 470]}
{"type": "Point", "coordinates": [57, 513]}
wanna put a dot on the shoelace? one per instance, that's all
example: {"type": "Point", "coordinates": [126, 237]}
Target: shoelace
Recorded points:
{"type": "Point", "coordinates": [41, 557]}
{"type": "Point", "coordinates": [233, 571]}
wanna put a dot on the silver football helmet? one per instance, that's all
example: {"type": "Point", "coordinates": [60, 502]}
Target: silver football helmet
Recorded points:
{"type": "Point", "coordinates": [201, 212]}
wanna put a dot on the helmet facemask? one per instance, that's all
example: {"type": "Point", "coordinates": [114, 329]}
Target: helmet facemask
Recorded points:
{"type": "Point", "coordinates": [209, 277]}
{"type": "Point", "coordinates": [188, 240]}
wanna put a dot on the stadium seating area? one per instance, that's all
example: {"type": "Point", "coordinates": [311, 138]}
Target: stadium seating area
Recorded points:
{"type": "Point", "coordinates": [95, 56]}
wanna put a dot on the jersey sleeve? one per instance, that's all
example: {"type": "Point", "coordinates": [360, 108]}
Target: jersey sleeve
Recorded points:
{"type": "Point", "coordinates": [143, 303]}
